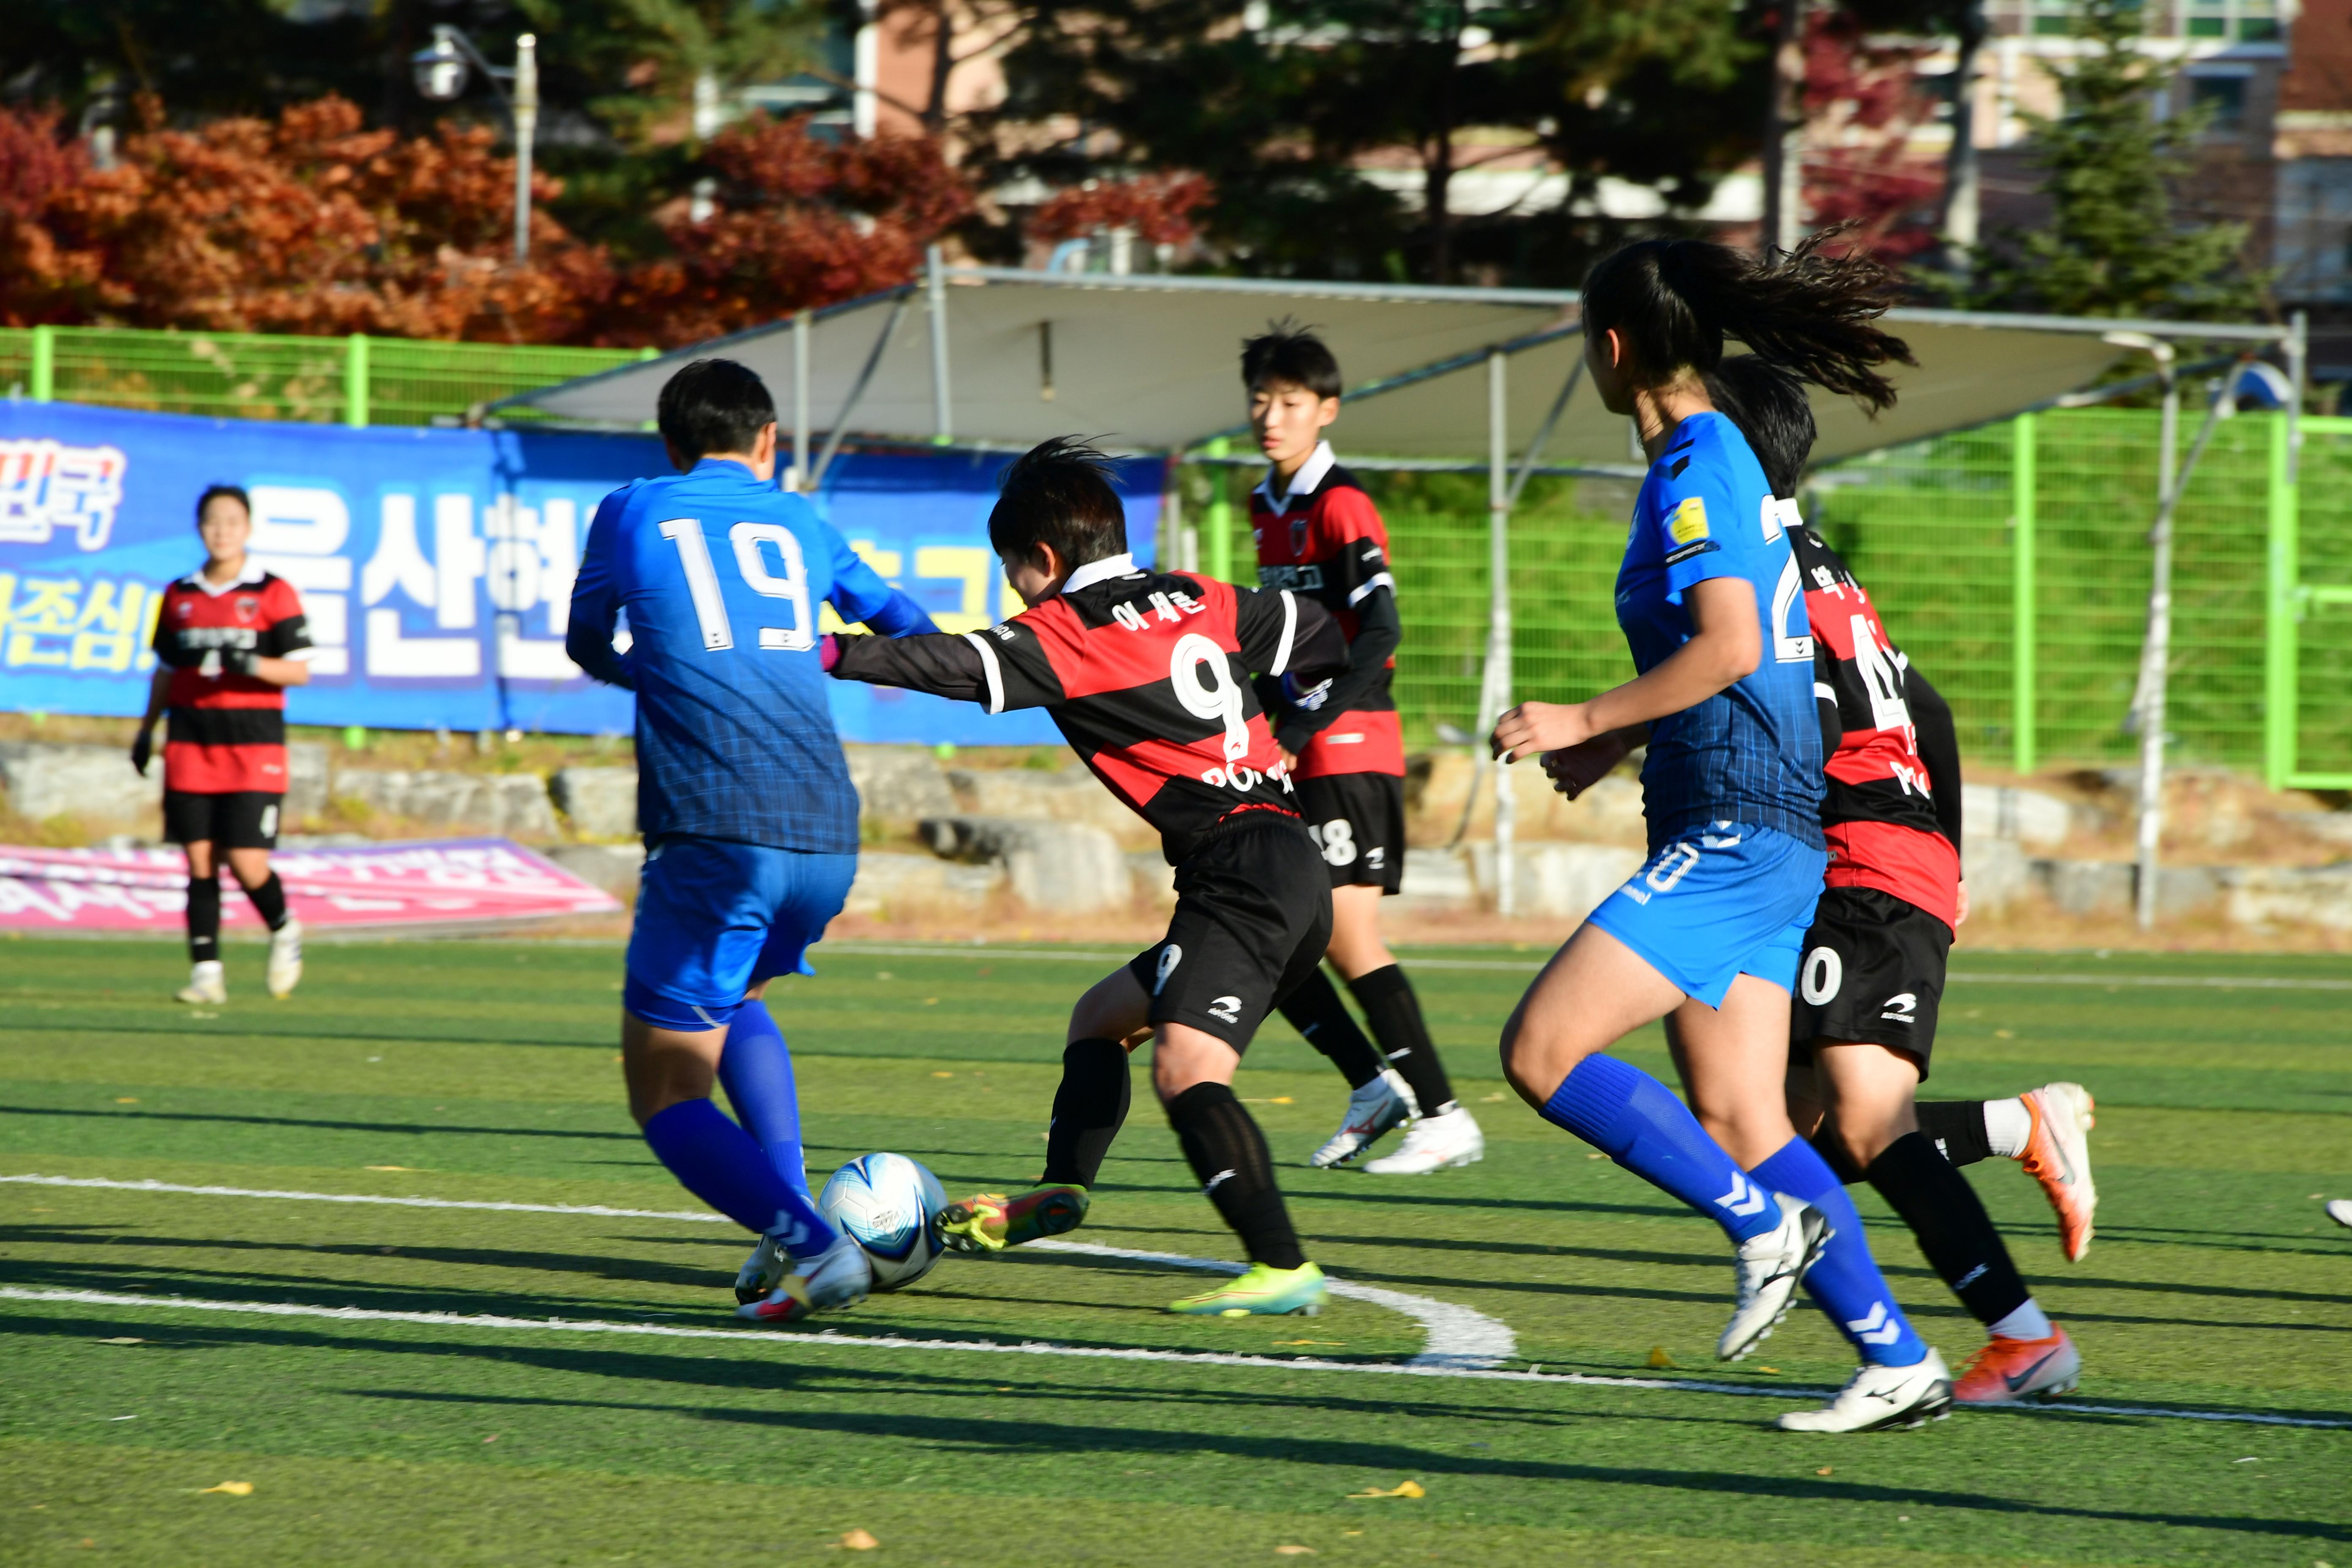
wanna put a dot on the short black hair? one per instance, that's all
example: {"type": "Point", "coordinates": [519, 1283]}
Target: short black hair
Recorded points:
{"type": "Point", "coordinates": [714, 406]}
{"type": "Point", "coordinates": [214, 493]}
{"type": "Point", "coordinates": [1289, 353]}
{"type": "Point", "coordinates": [1773, 412]}
{"type": "Point", "coordinates": [1059, 493]}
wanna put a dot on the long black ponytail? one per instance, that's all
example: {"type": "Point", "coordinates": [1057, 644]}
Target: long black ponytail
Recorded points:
{"type": "Point", "coordinates": [1809, 312]}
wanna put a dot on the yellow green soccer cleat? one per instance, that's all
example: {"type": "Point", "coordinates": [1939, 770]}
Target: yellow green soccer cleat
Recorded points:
{"type": "Point", "coordinates": [991, 1222]}
{"type": "Point", "coordinates": [1277, 1292]}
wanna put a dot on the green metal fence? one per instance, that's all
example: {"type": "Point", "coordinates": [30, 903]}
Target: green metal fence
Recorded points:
{"type": "Point", "coordinates": [357, 380]}
{"type": "Point", "coordinates": [2037, 526]}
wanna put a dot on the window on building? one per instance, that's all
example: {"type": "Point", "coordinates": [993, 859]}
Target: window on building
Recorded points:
{"type": "Point", "coordinates": [2243, 21]}
{"type": "Point", "coordinates": [2223, 99]}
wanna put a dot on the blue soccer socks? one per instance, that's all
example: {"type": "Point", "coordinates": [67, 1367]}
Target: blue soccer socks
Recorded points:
{"type": "Point", "coordinates": [1637, 1122]}
{"type": "Point", "coordinates": [757, 1069]}
{"type": "Point", "coordinates": [719, 1163]}
{"type": "Point", "coordinates": [1846, 1283]}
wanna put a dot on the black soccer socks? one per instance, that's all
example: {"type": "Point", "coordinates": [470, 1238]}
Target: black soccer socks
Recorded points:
{"type": "Point", "coordinates": [1089, 1110]}
{"type": "Point", "coordinates": [1394, 1014]}
{"type": "Point", "coordinates": [204, 920]}
{"type": "Point", "coordinates": [1316, 1011]}
{"type": "Point", "coordinates": [270, 901]}
{"type": "Point", "coordinates": [1954, 1231]}
{"type": "Point", "coordinates": [1957, 1127]}
{"type": "Point", "coordinates": [1228, 1152]}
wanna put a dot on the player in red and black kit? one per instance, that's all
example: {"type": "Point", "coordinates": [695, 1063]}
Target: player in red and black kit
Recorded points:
{"type": "Point", "coordinates": [1147, 676]}
{"type": "Point", "coordinates": [1319, 535]}
{"type": "Point", "coordinates": [231, 637]}
{"type": "Point", "coordinates": [1863, 1022]}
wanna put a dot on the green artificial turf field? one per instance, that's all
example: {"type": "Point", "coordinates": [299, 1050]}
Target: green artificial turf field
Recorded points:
{"type": "Point", "coordinates": [485, 1072]}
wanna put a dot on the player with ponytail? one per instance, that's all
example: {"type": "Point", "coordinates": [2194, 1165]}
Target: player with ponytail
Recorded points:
{"type": "Point", "coordinates": [1708, 933]}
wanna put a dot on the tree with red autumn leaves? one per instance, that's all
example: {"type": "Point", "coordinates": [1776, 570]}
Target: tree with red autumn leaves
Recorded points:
{"type": "Point", "coordinates": [313, 224]}
{"type": "Point", "coordinates": [1159, 209]}
{"type": "Point", "coordinates": [1858, 83]}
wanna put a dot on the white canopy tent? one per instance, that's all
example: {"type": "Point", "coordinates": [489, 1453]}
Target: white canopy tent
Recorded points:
{"type": "Point", "coordinates": [1003, 358]}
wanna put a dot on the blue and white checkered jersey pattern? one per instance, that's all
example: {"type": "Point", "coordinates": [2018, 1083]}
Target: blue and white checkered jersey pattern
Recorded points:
{"type": "Point", "coordinates": [720, 575]}
{"type": "Point", "coordinates": [1752, 753]}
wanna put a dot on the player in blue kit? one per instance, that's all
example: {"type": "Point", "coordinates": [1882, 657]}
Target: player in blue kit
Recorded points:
{"type": "Point", "coordinates": [1707, 934]}
{"type": "Point", "coordinates": [749, 819]}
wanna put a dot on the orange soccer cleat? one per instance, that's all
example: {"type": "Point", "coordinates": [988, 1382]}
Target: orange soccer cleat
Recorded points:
{"type": "Point", "coordinates": [2058, 1155]}
{"type": "Point", "coordinates": [2007, 1371]}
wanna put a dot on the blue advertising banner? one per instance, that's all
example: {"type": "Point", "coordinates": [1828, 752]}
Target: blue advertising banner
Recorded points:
{"type": "Point", "coordinates": [435, 565]}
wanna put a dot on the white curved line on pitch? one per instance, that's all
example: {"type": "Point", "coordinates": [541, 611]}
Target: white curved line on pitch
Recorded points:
{"type": "Point", "coordinates": [1079, 1352]}
{"type": "Point", "coordinates": [1457, 1336]}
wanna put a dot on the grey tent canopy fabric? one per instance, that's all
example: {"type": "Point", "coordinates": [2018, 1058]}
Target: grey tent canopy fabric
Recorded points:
{"type": "Point", "coordinates": [1150, 362]}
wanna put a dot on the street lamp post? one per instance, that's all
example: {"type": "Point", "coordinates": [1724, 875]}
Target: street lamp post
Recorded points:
{"type": "Point", "coordinates": [440, 70]}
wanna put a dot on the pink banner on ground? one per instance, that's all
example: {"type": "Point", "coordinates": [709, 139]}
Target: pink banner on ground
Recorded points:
{"type": "Point", "coordinates": [450, 881]}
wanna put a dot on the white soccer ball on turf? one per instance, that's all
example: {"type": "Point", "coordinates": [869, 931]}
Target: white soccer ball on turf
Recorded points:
{"type": "Point", "coordinates": [890, 1205]}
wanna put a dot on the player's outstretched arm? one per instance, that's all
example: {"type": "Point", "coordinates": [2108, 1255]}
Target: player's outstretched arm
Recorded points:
{"type": "Point", "coordinates": [1001, 669]}
{"type": "Point", "coordinates": [862, 597]}
{"type": "Point", "coordinates": [1379, 630]}
{"type": "Point", "coordinates": [596, 605]}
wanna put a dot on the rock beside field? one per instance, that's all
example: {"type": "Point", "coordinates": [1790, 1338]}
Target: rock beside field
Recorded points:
{"type": "Point", "coordinates": [1560, 879]}
{"type": "Point", "coordinates": [97, 783]}
{"type": "Point", "coordinates": [2282, 895]}
{"type": "Point", "coordinates": [513, 803]}
{"type": "Point", "coordinates": [615, 867]}
{"type": "Point", "coordinates": [1071, 796]}
{"type": "Point", "coordinates": [601, 803]}
{"type": "Point", "coordinates": [1058, 868]}
{"type": "Point", "coordinates": [1154, 880]}
{"type": "Point", "coordinates": [307, 765]}
{"type": "Point", "coordinates": [899, 783]}
{"type": "Point", "coordinates": [2029, 816]}
{"type": "Point", "coordinates": [1997, 869]}
{"type": "Point", "coordinates": [1436, 880]}
{"type": "Point", "coordinates": [889, 884]}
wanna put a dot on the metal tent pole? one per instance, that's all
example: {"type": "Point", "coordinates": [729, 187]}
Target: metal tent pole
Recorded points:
{"type": "Point", "coordinates": [1495, 691]}
{"type": "Point", "coordinates": [942, 401]}
{"type": "Point", "coordinates": [526, 126]}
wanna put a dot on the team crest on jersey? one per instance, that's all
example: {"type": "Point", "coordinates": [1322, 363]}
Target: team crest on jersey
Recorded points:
{"type": "Point", "coordinates": [1688, 525]}
{"type": "Point", "coordinates": [1298, 533]}
{"type": "Point", "coordinates": [247, 606]}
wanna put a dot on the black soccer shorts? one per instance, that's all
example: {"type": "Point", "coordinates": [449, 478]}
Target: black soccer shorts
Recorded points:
{"type": "Point", "coordinates": [1873, 973]}
{"type": "Point", "coordinates": [236, 819]}
{"type": "Point", "coordinates": [1358, 820]}
{"type": "Point", "coordinates": [1253, 917]}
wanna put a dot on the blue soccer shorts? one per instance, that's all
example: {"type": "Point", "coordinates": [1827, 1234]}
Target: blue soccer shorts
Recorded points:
{"type": "Point", "coordinates": [1711, 906]}
{"type": "Point", "coordinates": [714, 917]}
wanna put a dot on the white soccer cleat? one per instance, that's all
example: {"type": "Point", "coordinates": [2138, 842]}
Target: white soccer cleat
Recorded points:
{"type": "Point", "coordinates": [205, 984]}
{"type": "Point", "coordinates": [2340, 1211]}
{"type": "Point", "coordinates": [1882, 1396]}
{"type": "Point", "coordinates": [1435, 1143]}
{"type": "Point", "coordinates": [764, 1271]}
{"type": "Point", "coordinates": [1768, 1268]}
{"type": "Point", "coordinates": [2058, 1155]}
{"type": "Point", "coordinates": [1383, 1103]}
{"type": "Point", "coordinates": [286, 959]}
{"type": "Point", "coordinates": [840, 1276]}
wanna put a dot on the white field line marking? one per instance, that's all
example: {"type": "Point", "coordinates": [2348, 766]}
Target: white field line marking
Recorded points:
{"type": "Point", "coordinates": [1529, 966]}
{"type": "Point", "coordinates": [834, 1340]}
{"type": "Point", "coordinates": [1457, 1336]}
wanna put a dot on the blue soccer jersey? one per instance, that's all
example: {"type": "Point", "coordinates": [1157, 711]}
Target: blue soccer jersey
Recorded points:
{"type": "Point", "coordinates": [720, 575]}
{"type": "Point", "coordinates": [1752, 753]}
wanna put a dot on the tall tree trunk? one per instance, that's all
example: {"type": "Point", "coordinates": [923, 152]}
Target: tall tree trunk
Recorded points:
{"type": "Point", "coordinates": [1784, 131]}
{"type": "Point", "coordinates": [935, 105]}
{"type": "Point", "coordinates": [1437, 193]}
{"type": "Point", "coordinates": [1959, 218]}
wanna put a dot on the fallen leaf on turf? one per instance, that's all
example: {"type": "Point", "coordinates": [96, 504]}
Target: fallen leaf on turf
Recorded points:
{"type": "Point", "coordinates": [943, 1075]}
{"type": "Point", "coordinates": [1490, 1099]}
{"type": "Point", "coordinates": [126, 1100]}
{"type": "Point", "coordinates": [858, 1540]}
{"type": "Point", "coordinates": [234, 1488]}
{"type": "Point", "coordinates": [392, 1167]}
{"type": "Point", "coordinates": [1823, 1472]}
{"type": "Point", "coordinates": [492, 1439]}
{"type": "Point", "coordinates": [1310, 1341]}
{"type": "Point", "coordinates": [1286, 1099]}
{"type": "Point", "coordinates": [1403, 1489]}
{"type": "Point", "coordinates": [2316, 1196]}
{"type": "Point", "coordinates": [1998, 1034]}
{"type": "Point", "coordinates": [931, 1001]}
{"type": "Point", "coordinates": [1596, 1157]}
{"type": "Point", "coordinates": [1773, 1370]}
{"type": "Point", "coordinates": [1294, 1551]}
{"type": "Point", "coordinates": [1351, 1532]}
{"type": "Point", "coordinates": [125, 1340]}
{"type": "Point", "coordinates": [1659, 1358]}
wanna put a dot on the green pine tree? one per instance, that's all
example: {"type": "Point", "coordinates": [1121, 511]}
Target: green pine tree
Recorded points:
{"type": "Point", "coordinates": [2113, 244]}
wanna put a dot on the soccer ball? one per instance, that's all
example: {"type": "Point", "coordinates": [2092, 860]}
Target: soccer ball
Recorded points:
{"type": "Point", "coordinates": [890, 1205]}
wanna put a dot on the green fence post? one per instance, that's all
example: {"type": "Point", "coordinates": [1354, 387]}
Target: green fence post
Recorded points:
{"type": "Point", "coordinates": [355, 381]}
{"type": "Point", "coordinates": [2020, 587]}
{"type": "Point", "coordinates": [2279, 673]}
{"type": "Point", "coordinates": [45, 363]}
{"type": "Point", "coordinates": [1220, 541]}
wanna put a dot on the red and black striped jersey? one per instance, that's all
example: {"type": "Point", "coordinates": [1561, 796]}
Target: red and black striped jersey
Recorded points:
{"type": "Point", "coordinates": [227, 731]}
{"type": "Point", "coordinates": [1323, 539]}
{"type": "Point", "coordinates": [1886, 825]}
{"type": "Point", "coordinates": [1147, 676]}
